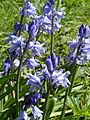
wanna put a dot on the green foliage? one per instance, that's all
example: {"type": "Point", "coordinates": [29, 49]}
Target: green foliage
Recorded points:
{"type": "Point", "coordinates": [78, 106]}
{"type": "Point", "coordinates": [50, 106]}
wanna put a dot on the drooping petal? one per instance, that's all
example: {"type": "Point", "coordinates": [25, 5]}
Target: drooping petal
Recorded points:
{"type": "Point", "coordinates": [33, 80]}
{"type": "Point", "coordinates": [61, 79]}
{"type": "Point", "coordinates": [31, 63]}
{"type": "Point", "coordinates": [36, 112]}
{"type": "Point", "coordinates": [6, 66]}
{"type": "Point", "coordinates": [49, 65]}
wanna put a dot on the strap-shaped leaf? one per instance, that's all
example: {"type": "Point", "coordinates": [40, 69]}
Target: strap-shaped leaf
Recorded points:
{"type": "Point", "coordinates": [4, 79]}
{"type": "Point", "coordinates": [50, 105]}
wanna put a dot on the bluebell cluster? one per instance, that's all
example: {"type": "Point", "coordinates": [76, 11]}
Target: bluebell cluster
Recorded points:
{"type": "Point", "coordinates": [80, 47]}
{"type": "Point", "coordinates": [18, 43]}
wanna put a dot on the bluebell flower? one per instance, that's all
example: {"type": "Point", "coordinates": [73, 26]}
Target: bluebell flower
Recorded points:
{"type": "Point", "coordinates": [36, 112]}
{"type": "Point", "coordinates": [84, 31]}
{"type": "Point", "coordinates": [29, 9]}
{"type": "Point", "coordinates": [55, 60]}
{"type": "Point", "coordinates": [49, 65]}
{"type": "Point", "coordinates": [36, 97]}
{"type": "Point", "coordinates": [46, 22]}
{"type": "Point", "coordinates": [33, 28]}
{"type": "Point", "coordinates": [23, 116]}
{"type": "Point", "coordinates": [31, 99]}
{"type": "Point", "coordinates": [52, 62]}
{"type": "Point", "coordinates": [17, 42]}
{"type": "Point", "coordinates": [45, 74]}
{"type": "Point", "coordinates": [17, 27]}
{"type": "Point", "coordinates": [81, 55]}
{"type": "Point", "coordinates": [15, 64]}
{"type": "Point", "coordinates": [14, 55]}
{"type": "Point", "coordinates": [48, 10]}
{"type": "Point", "coordinates": [31, 63]}
{"type": "Point", "coordinates": [37, 49]}
{"type": "Point", "coordinates": [73, 46]}
{"type": "Point", "coordinates": [60, 78]}
{"type": "Point", "coordinates": [52, 2]}
{"type": "Point", "coordinates": [85, 52]}
{"type": "Point", "coordinates": [6, 66]}
{"type": "Point", "coordinates": [34, 81]}
{"type": "Point", "coordinates": [45, 25]}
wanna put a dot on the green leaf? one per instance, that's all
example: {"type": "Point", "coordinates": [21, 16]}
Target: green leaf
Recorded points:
{"type": "Point", "coordinates": [11, 89]}
{"type": "Point", "coordinates": [6, 78]}
{"type": "Point", "coordinates": [50, 105]}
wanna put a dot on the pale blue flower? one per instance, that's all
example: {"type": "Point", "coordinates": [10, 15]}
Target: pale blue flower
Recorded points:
{"type": "Point", "coordinates": [29, 9]}
{"type": "Point", "coordinates": [52, 2]}
{"type": "Point", "coordinates": [48, 10]}
{"type": "Point", "coordinates": [6, 66]}
{"type": "Point", "coordinates": [17, 28]}
{"type": "Point", "coordinates": [84, 31]}
{"type": "Point", "coordinates": [31, 63]}
{"type": "Point", "coordinates": [23, 116]}
{"type": "Point", "coordinates": [17, 42]}
{"type": "Point", "coordinates": [33, 28]}
{"type": "Point", "coordinates": [52, 62]}
{"type": "Point", "coordinates": [36, 97]}
{"type": "Point", "coordinates": [15, 64]}
{"type": "Point", "coordinates": [14, 55]}
{"type": "Point", "coordinates": [34, 81]}
{"type": "Point", "coordinates": [36, 112]}
{"type": "Point", "coordinates": [37, 49]}
{"type": "Point", "coordinates": [60, 78]}
{"type": "Point", "coordinates": [45, 74]}
{"type": "Point", "coordinates": [79, 55]}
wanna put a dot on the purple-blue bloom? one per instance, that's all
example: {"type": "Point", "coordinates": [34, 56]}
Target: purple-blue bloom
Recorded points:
{"type": "Point", "coordinates": [31, 63]}
{"type": "Point", "coordinates": [85, 52]}
{"type": "Point", "coordinates": [84, 31]}
{"type": "Point", "coordinates": [81, 55]}
{"type": "Point", "coordinates": [36, 97]}
{"type": "Point", "coordinates": [48, 11]}
{"type": "Point", "coordinates": [34, 81]}
{"type": "Point", "coordinates": [60, 78]}
{"type": "Point", "coordinates": [15, 64]}
{"type": "Point", "coordinates": [52, 62]}
{"type": "Point", "coordinates": [23, 116]}
{"type": "Point", "coordinates": [31, 99]}
{"type": "Point", "coordinates": [45, 74]}
{"type": "Point", "coordinates": [6, 66]}
{"type": "Point", "coordinates": [52, 2]}
{"type": "Point", "coordinates": [33, 28]}
{"type": "Point", "coordinates": [37, 49]}
{"type": "Point", "coordinates": [49, 65]}
{"type": "Point", "coordinates": [29, 9]}
{"type": "Point", "coordinates": [14, 55]}
{"type": "Point", "coordinates": [36, 112]}
{"type": "Point", "coordinates": [16, 28]}
{"type": "Point", "coordinates": [17, 43]}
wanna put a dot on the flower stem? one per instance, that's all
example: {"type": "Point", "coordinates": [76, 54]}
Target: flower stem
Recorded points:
{"type": "Point", "coordinates": [68, 90]}
{"type": "Point", "coordinates": [19, 73]}
{"type": "Point", "coordinates": [46, 100]}
{"type": "Point", "coordinates": [72, 77]}
{"type": "Point", "coordinates": [18, 78]}
{"type": "Point", "coordinates": [52, 34]}
{"type": "Point", "coordinates": [51, 51]}
{"type": "Point", "coordinates": [21, 21]}
{"type": "Point", "coordinates": [64, 104]}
